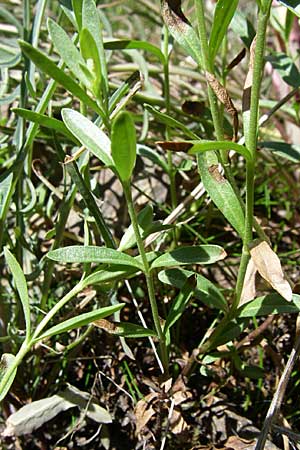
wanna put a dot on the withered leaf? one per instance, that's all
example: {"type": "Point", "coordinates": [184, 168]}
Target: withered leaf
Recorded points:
{"type": "Point", "coordinates": [241, 55]}
{"type": "Point", "coordinates": [249, 78]}
{"type": "Point", "coordinates": [193, 107]}
{"type": "Point", "coordinates": [175, 146]}
{"type": "Point", "coordinates": [269, 267]}
{"type": "Point", "coordinates": [249, 291]}
{"type": "Point", "coordinates": [144, 411]}
{"type": "Point", "coordinates": [180, 28]}
{"type": "Point", "coordinates": [224, 98]}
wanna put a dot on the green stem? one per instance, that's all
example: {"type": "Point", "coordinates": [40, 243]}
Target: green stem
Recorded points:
{"type": "Point", "coordinates": [251, 144]}
{"type": "Point", "coordinates": [168, 104]}
{"type": "Point", "coordinates": [148, 276]}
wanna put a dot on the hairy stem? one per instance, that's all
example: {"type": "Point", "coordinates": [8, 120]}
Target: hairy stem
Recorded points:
{"type": "Point", "coordinates": [148, 276]}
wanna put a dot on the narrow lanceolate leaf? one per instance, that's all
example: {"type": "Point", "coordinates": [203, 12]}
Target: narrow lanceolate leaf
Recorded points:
{"type": "Point", "coordinates": [21, 286]}
{"type": "Point", "coordinates": [7, 360]}
{"type": "Point", "coordinates": [68, 52]}
{"type": "Point", "coordinates": [6, 185]}
{"type": "Point", "coordinates": [44, 121]}
{"type": "Point", "coordinates": [130, 44]}
{"type": "Point", "coordinates": [91, 21]}
{"type": "Point", "coordinates": [124, 329]}
{"type": "Point", "coordinates": [39, 412]}
{"type": "Point", "coordinates": [222, 17]}
{"type": "Point", "coordinates": [89, 135]}
{"type": "Point", "coordinates": [202, 254]}
{"type": "Point", "coordinates": [194, 147]}
{"type": "Point", "coordinates": [221, 191]}
{"type": "Point", "coordinates": [123, 145]}
{"type": "Point", "coordinates": [90, 254]}
{"type": "Point", "coordinates": [203, 146]}
{"type": "Point", "coordinates": [283, 149]}
{"type": "Point", "coordinates": [269, 267]}
{"type": "Point", "coordinates": [80, 321]}
{"type": "Point", "coordinates": [181, 29]}
{"type": "Point", "coordinates": [292, 5]}
{"type": "Point", "coordinates": [205, 290]}
{"type": "Point", "coordinates": [269, 304]}
{"type": "Point", "coordinates": [180, 302]}
{"type": "Point", "coordinates": [49, 67]}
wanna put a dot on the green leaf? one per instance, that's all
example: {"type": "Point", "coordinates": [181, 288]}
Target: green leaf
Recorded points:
{"type": "Point", "coordinates": [68, 52]}
{"type": "Point", "coordinates": [180, 303]}
{"type": "Point", "coordinates": [21, 286]}
{"type": "Point", "coordinates": [204, 146]}
{"type": "Point", "coordinates": [269, 304]}
{"type": "Point", "coordinates": [130, 44]}
{"type": "Point", "coordinates": [145, 218]}
{"type": "Point", "coordinates": [90, 203]}
{"type": "Point", "coordinates": [44, 121]}
{"type": "Point", "coordinates": [287, 151]}
{"type": "Point", "coordinates": [123, 145]}
{"type": "Point", "coordinates": [7, 360]}
{"type": "Point", "coordinates": [168, 120]}
{"type": "Point", "coordinates": [92, 22]}
{"type": "Point", "coordinates": [114, 273]}
{"type": "Point", "coordinates": [152, 155]}
{"type": "Point", "coordinates": [124, 329]}
{"type": "Point", "coordinates": [202, 254]}
{"type": "Point", "coordinates": [224, 12]}
{"type": "Point", "coordinates": [292, 5]}
{"type": "Point", "coordinates": [90, 254]}
{"type": "Point", "coordinates": [77, 8]}
{"type": "Point", "coordinates": [80, 321]}
{"type": "Point", "coordinates": [232, 330]}
{"type": "Point", "coordinates": [243, 28]}
{"type": "Point", "coordinates": [181, 29]}
{"type": "Point", "coordinates": [205, 290]}
{"type": "Point", "coordinates": [90, 53]}
{"type": "Point", "coordinates": [9, 56]}
{"type": "Point", "coordinates": [286, 68]}
{"type": "Point", "coordinates": [50, 68]}
{"type": "Point", "coordinates": [6, 186]}
{"type": "Point", "coordinates": [88, 135]}
{"type": "Point", "coordinates": [221, 191]}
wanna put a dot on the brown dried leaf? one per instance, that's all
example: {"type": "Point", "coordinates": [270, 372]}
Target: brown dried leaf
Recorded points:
{"type": "Point", "coordinates": [249, 78]}
{"type": "Point", "coordinates": [236, 443]}
{"type": "Point", "coordinates": [237, 59]}
{"type": "Point", "coordinates": [269, 267]}
{"type": "Point", "coordinates": [175, 146]}
{"type": "Point", "coordinates": [177, 422]}
{"type": "Point", "coordinates": [193, 108]}
{"type": "Point", "coordinates": [144, 411]}
{"type": "Point", "coordinates": [249, 291]}
{"type": "Point", "coordinates": [224, 98]}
